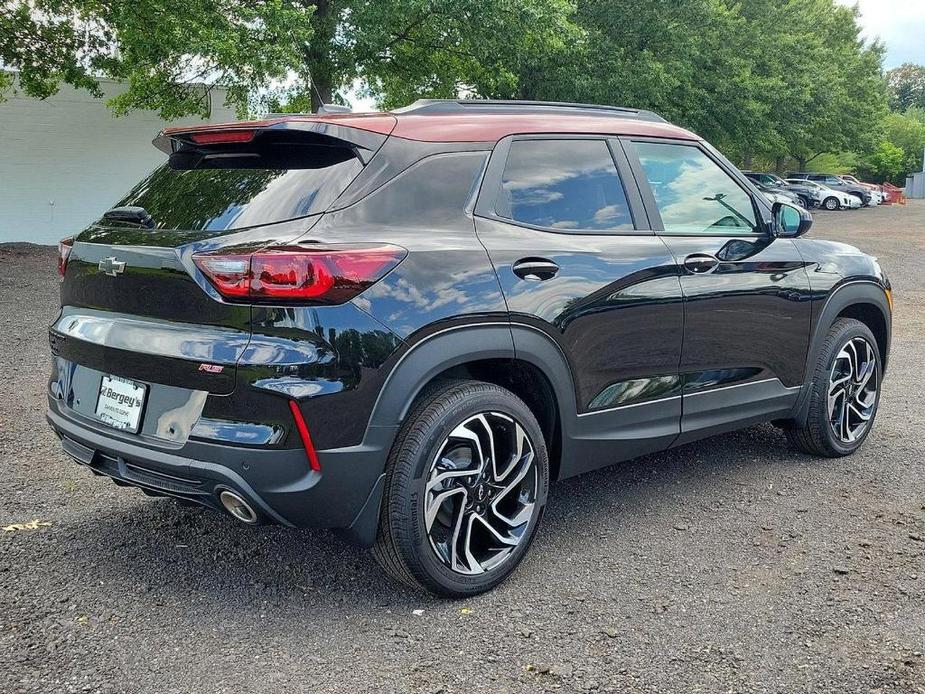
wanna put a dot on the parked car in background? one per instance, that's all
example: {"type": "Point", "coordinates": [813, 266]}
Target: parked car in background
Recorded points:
{"type": "Point", "coordinates": [776, 194]}
{"type": "Point", "coordinates": [830, 198]}
{"type": "Point", "coordinates": [835, 183]}
{"type": "Point", "coordinates": [406, 325]}
{"type": "Point", "coordinates": [877, 191]}
{"type": "Point", "coordinates": [807, 195]}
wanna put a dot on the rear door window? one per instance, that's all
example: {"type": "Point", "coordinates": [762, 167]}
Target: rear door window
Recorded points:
{"type": "Point", "coordinates": [692, 193]}
{"type": "Point", "coordinates": [224, 193]}
{"type": "Point", "coordinates": [564, 184]}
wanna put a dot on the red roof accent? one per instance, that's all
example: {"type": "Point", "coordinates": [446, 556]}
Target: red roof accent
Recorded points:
{"type": "Point", "coordinates": [490, 127]}
{"type": "Point", "coordinates": [464, 127]}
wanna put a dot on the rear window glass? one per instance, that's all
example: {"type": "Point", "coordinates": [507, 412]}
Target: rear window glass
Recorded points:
{"type": "Point", "coordinates": [234, 193]}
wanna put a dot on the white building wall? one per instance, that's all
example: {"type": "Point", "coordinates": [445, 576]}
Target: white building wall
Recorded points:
{"type": "Point", "coordinates": [65, 160]}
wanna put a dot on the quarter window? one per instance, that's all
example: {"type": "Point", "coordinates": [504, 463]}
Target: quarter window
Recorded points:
{"type": "Point", "coordinates": [563, 184]}
{"type": "Point", "coordinates": [692, 193]}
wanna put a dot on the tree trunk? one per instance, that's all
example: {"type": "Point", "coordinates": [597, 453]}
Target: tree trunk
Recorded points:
{"type": "Point", "coordinates": [318, 55]}
{"type": "Point", "coordinates": [747, 161]}
{"type": "Point", "coordinates": [779, 165]}
{"type": "Point", "coordinates": [801, 163]}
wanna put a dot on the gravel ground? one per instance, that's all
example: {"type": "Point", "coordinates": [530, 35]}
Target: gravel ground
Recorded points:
{"type": "Point", "coordinates": [730, 565]}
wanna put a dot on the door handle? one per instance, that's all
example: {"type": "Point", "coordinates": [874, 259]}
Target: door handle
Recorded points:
{"type": "Point", "coordinates": [536, 269]}
{"type": "Point", "coordinates": [700, 263]}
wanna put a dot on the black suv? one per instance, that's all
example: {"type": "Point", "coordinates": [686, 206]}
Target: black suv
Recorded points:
{"type": "Point", "coordinates": [406, 325]}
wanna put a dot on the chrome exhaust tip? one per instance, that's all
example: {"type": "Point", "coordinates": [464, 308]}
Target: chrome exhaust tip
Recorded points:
{"type": "Point", "coordinates": [237, 506]}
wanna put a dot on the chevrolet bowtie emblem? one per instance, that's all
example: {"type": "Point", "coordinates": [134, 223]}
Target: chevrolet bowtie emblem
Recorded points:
{"type": "Point", "coordinates": [111, 266]}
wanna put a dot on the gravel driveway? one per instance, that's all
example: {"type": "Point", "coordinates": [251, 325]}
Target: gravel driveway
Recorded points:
{"type": "Point", "coordinates": [729, 565]}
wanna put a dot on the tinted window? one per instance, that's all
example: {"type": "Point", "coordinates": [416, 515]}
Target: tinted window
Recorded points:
{"type": "Point", "coordinates": [693, 194]}
{"type": "Point", "coordinates": [430, 194]}
{"type": "Point", "coordinates": [563, 184]}
{"type": "Point", "coordinates": [234, 194]}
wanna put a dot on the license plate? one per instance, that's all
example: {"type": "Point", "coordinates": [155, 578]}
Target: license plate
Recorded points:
{"type": "Point", "coordinates": [120, 403]}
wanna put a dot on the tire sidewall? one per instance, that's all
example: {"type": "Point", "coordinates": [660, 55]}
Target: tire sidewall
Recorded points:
{"type": "Point", "coordinates": [827, 203]}
{"type": "Point", "coordinates": [423, 560]}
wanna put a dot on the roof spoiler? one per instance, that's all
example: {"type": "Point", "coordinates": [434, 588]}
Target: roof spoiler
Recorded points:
{"type": "Point", "coordinates": [365, 134]}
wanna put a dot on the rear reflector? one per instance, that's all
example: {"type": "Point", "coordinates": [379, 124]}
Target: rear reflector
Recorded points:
{"type": "Point", "coordinates": [321, 275]}
{"type": "Point", "coordinates": [304, 435]}
{"type": "Point", "coordinates": [64, 251]}
{"type": "Point", "coordinates": [222, 137]}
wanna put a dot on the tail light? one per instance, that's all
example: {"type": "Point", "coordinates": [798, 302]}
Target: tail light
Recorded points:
{"type": "Point", "coordinates": [321, 275]}
{"type": "Point", "coordinates": [64, 251]}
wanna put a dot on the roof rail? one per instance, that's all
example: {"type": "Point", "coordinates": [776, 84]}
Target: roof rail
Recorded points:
{"type": "Point", "coordinates": [428, 106]}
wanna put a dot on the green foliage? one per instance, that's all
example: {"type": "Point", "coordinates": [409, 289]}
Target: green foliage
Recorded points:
{"type": "Point", "coordinates": [884, 163]}
{"type": "Point", "coordinates": [448, 46]}
{"type": "Point", "coordinates": [906, 86]}
{"type": "Point", "coordinates": [898, 150]}
{"type": "Point", "coordinates": [409, 49]}
{"type": "Point", "coordinates": [765, 80]}
{"type": "Point", "coordinates": [167, 51]}
{"type": "Point", "coordinates": [40, 40]}
{"type": "Point", "coordinates": [835, 162]}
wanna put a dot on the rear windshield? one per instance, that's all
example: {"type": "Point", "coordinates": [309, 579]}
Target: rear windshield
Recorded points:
{"type": "Point", "coordinates": [219, 192]}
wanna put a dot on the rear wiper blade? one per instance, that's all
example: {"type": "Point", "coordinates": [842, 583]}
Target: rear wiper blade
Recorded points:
{"type": "Point", "coordinates": [130, 215]}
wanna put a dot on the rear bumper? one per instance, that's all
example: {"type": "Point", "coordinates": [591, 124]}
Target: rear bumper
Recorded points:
{"type": "Point", "coordinates": [278, 483]}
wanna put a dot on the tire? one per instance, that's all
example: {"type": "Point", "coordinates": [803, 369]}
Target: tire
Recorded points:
{"type": "Point", "coordinates": [831, 203]}
{"type": "Point", "coordinates": [821, 435]}
{"type": "Point", "coordinates": [804, 202]}
{"type": "Point", "coordinates": [434, 533]}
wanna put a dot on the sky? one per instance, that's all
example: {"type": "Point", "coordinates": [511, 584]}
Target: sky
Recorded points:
{"type": "Point", "coordinates": [900, 24]}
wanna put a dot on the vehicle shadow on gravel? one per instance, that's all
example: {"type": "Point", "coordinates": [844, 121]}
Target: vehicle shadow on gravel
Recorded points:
{"type": "Point", "coordinates": [166, 552]}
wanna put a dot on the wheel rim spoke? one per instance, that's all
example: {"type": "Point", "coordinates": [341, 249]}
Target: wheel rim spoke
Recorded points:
{"type": "Point", "coordinates": [443, 477]}
{"type": "Point", "coordinates": [472, 564]}
{"type": "Point", "coordinates": [454, 544]}
{"type": "Point", "coordinates": [480, 493]}
{"type": "Point", "coordinates": [434, 506]}
{"type": "Point", "coordinates": [852, 391]}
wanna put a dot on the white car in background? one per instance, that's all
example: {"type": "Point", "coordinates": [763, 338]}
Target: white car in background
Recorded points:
{"type": "Point", "coordinates": [878, 195]}
{"type": "Point", "coordinates": [831, 199]}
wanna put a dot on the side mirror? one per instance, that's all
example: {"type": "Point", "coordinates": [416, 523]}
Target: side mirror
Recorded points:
{"type": "Point", "coordinates": [790, 220]}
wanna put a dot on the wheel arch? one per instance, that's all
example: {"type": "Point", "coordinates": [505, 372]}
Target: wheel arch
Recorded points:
{"type": "Point", "coordinates": [535, 370]}
{"type": "Point", "coordinates": [863, 300]}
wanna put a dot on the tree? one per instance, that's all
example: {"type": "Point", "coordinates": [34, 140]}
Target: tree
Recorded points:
{"type": "Point", "coordinates": [760, 79]}
{"type": "Point", "coordinates": [408, 49]}
{"type": "Point", "coordinates": [681, 58]}
{"type": "Point", "coordinates": [885, 163]}
{"type": "Point", "coordinates": [828, 95]}
{"type": "Point", "coordinates": [907, 132]}
{"type": "Point", "coordinates": [311, 49]}
{"type": "Point", "coordinates": [906, 85]}
{"type": "Point", "coordinates": [165, 50]}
